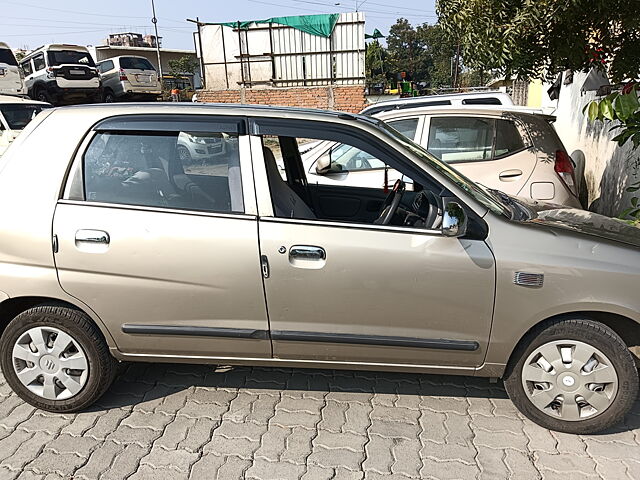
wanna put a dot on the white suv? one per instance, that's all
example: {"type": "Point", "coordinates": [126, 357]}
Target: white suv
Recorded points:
{"type": "Point", "coordinates": [10, 75]}
{"type": "Point", "coordinates": [61, 74]}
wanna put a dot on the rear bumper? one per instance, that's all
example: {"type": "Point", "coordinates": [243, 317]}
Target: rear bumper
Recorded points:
{"type": "Point", "coordinates": [61, 95]}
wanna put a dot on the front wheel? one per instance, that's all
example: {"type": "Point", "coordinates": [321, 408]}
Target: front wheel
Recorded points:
{"type": "Point", "coordinates": [109, 97]}
{"type": "Point", "coordinates": [574, 376]}
{"type": "Point", "coordinates": [56, 359]}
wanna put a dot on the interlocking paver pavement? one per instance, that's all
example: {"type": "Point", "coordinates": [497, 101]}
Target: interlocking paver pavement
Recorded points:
{"type": "Point", "coordinates": [198, 422]}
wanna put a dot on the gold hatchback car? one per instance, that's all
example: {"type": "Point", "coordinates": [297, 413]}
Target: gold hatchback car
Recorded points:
{"type": "Point", "coordinates": [113, 247]}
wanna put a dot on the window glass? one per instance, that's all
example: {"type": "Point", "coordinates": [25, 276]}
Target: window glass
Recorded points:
{"type": "Point", "coordinates": [6, 56]}
{"type": "Point", "coordinates": [508, 138]}
{"type": "Point", "coordinates": [482, 101]}
{"type": "Point", "coordinates": [461, 139]}
{"type": "Point", "coordinates": [19, 115]}
{"type": "Point", "coordinates": [38, 62]}
{"type": "Point", "coordinates": [406, 126]}
{"type": "Point", "coordinates": [347, 158]}
{"type": "Point", "coordinates": [136, 63]}
{"type": "Point", "coordinates": [26, 68]}
{"type": "Point", "coordinates": [184, 170]}
{"type": "Point", "coordinates": [105, 66]}
{"type": "Point", "coordinates": [61, 57]}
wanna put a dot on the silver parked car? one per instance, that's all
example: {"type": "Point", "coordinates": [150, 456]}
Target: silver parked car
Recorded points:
{"type": "Point", "coordinates": [511, 149]}
{"type": "Point", "coordinates": [128, 77]}
{"type": "Point", "coordinates": [116, 249]}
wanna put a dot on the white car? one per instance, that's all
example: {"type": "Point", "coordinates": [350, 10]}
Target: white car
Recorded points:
{"type": "Point", "coordinates": [15, 114]}
{"type": "Point", "coordinates": [501, 147]}
{"type": "Point", "coordinates": [11, 82]}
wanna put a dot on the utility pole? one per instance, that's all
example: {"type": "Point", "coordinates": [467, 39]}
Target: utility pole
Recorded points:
{"type": "Point", "coordinates": [154, 20]}
{"type": "Point", "coordinates": [457, 66]}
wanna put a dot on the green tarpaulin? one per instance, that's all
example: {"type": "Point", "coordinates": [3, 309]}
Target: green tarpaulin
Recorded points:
{"type": "Point", "coordinates": [376, 34]}
{"type": "Point", "coordinates": [321, 25]}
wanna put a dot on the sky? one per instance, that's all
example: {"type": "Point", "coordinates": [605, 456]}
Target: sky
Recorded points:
{"type": "Point", "coordinates": [36, 22]}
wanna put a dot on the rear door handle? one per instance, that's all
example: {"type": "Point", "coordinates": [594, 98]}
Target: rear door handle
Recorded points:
{"type": "Point", "coordinates": [510, 175]}
{"type": "Point", "coordinates": [92, 236]}
{"type": "Point", "coordinates": [307, 252]}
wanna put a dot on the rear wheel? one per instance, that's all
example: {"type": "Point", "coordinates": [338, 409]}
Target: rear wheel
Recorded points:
{"type": "Point", "coordinates": [574, 376]}
{"type": "Point", "coordinates": [41, 95]}
{"type": "Point", "coordinates": [56, 359]}
{"type": "Point", "coordinates": [109, 97]}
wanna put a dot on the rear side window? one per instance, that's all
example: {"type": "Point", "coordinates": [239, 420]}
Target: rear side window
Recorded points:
{"type": "Point", "coordinates": [38, 62]}
{"type": "Point", "coordinates": [133, 63]}
{"type": "Point", "coordinates": [180, 170]}
{"type": "Point", "coordinates": [406, 126]}
{"type": "Point", "coordinates": [105, 66]}
{"type": "Point", "coordinates": [508, 139]}
{"type": "Point", "coordinates": [6, 56]}
{"type": "Point", "coordinates": [461, 139]}
{"type": "Point", "coordinates": [473, 139]}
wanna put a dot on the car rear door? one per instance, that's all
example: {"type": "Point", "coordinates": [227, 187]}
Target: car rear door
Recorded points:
{"type": "Point", "coordinates": [493, 151]}
{"type": "Point", "coordinates": [165, 253]}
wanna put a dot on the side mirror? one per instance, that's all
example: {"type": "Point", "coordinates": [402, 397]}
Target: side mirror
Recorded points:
{"type": "Point", "coordinates": [323, 165]}
{"type": "Point", "coordinates": [454, 221]}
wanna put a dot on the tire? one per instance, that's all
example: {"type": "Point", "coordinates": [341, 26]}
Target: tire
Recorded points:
{"type": "Point", "coordinates": [578, 404]}
{"type": "Point", "coordinates": [109, 97]}
{"type": "Point", "coordinates": [41, 95]}
{"type": "Point", "coordinates": [86, 350]}
{"type": "Point", "coordinates": [184, 155]}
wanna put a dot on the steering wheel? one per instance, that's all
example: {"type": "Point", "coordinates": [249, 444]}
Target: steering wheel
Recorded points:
{"type": "Point", "coordinates": [391, 203]}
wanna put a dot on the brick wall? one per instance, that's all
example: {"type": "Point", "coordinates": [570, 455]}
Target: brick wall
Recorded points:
{"type": "Point", "coordinates": [344, 98]}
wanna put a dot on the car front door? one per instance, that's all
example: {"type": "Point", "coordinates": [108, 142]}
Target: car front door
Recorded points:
{"type": "Point", "coordinates": [165, 253]}
{"type": "Point", "coordinates": [365, 293]}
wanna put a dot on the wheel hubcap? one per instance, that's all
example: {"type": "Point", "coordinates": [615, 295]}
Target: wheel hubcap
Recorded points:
{"type": "Point", "coordinates": [50, 363]}
{"type": "Point", "coordinates": [570, 380]}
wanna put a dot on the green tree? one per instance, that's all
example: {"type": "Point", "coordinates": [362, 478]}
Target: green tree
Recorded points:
{"type": "Point", "coordinates": [406, 52]}
{"type": "Point", "coordinates": [375, 58]}
{"type": "Point", "coordinates": [440, 51]}
{"type": "Point", "coordinates": [182, 65]}
{"type": "Point", "coordinates": [534, 39]}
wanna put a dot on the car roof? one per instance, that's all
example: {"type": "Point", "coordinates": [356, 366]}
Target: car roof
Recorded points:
{"type": "Point", "coordinates": [490, 110]}
{"type": "Point", "coordinates": [402, 103]}
{"type": "Point", "coordinates": [20, 100]}
{"type": "Point", "coordinates": [56, 47]}
{"type": "Point", "coordinates": [169, 108]}
{"type": "Point", "coordinates": [4, 45]}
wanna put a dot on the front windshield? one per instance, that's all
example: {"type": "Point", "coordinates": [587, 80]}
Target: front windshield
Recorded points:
{"type": "Point", "coordinates": [19, 115]}
{"type": "Point", "coordinates": [478, 192]}
{"type": "Point", "coordinates": [61, 57]}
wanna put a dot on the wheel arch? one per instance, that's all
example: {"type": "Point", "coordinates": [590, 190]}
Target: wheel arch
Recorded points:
{"type": "Point", "coordinates": [627, 328]}
{"type": "Point", "coordinates": [14, 306]}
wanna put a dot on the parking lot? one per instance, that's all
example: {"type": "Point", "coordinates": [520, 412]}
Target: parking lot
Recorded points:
{"type": "Point", "coordinates": [184, 421]}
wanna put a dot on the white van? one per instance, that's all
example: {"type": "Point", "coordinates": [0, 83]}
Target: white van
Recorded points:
{"type": "Point", "coordinates": [10, 74]}
{"type": "Point", "coordinates": [61, 74]}
{"type": "Point", "coordinates": [15, 114]}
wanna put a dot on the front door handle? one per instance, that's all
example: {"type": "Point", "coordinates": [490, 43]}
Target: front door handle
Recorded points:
{"type": "Point", "coordinates": [510, 175]}
{"type": "Point", "coordinates": [307, 252]}
{"type": "Point", "coordinates": [92, 236]}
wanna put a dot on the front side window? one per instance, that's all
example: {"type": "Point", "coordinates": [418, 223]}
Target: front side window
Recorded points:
{"type": "Point", "coordinates": [406, 126]}
{"type": "Point", "coordinates": [38, 62]}
{"type": "Point", "coordinates": [62, 57]}
{"type": "Point", "coordinates": [26, 68]}
{"type": "Point", "coordinates": [180, 170]}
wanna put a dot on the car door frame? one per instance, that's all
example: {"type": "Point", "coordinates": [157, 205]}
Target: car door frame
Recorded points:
{"type": "Point", "coordinates": [267, 214]}
{"type": "Point", "coordinates": [72, 194]}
